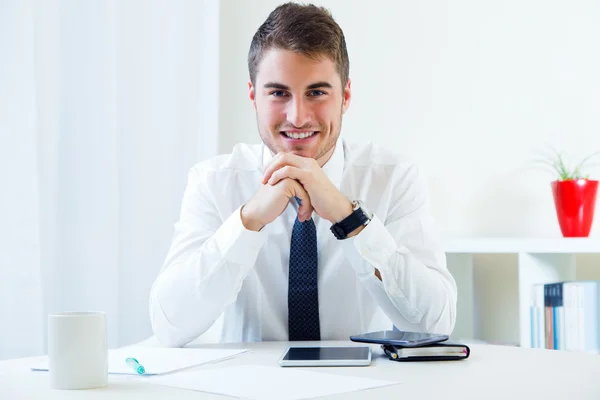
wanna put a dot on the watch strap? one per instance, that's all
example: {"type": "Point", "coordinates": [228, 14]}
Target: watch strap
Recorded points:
{"type": "Point", "coordinates": [342, 229]}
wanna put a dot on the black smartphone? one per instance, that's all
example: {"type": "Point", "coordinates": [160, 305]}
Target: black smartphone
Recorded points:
{"type": "Point", "coordinates": [400, 338]}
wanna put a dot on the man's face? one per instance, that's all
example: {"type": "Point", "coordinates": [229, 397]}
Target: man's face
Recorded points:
{"type": "Point", "coordinates": [299, 104]}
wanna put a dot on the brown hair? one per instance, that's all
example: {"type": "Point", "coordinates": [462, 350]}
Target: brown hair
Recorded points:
{"type": "Point", "coordinates": [304, 29]}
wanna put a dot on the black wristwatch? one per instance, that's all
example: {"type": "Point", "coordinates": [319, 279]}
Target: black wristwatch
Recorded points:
{"type": "Point", "coordinates": [360, 216]}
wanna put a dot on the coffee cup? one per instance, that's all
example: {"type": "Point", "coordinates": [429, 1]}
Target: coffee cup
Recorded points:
{"type": "Point", "coordinates": [77, 350]}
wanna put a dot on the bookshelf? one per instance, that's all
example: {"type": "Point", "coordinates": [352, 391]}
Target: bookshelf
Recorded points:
{"type": "Point", "coordinates": [539, 260]}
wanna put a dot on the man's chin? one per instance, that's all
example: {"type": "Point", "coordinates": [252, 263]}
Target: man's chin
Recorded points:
{"type": "Point", "coordinates": [302, 151]}
{"type": "Point", "coordinates": [306, 153]}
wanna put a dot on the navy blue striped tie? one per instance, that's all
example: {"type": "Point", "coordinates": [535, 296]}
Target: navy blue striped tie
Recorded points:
{"type": "Point", "coordinates": [303, 294]}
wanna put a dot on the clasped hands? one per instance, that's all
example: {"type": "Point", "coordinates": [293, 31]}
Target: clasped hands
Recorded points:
{"type": "Point", "coordinates": [289, 175]}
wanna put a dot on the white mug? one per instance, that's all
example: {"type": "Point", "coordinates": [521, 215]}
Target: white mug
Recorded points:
{"type": "Point", "coordinates": [77, 350]}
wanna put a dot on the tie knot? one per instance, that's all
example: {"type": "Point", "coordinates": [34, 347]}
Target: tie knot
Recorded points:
{"type": "Point", "coordinates": [298, 200]}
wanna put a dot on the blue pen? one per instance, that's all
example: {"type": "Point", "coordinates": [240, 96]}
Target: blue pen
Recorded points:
{"type": "Point", "coordinates": [133, 363]}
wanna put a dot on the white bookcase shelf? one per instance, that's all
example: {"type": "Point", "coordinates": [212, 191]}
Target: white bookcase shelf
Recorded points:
{"type": "Point", "coordinates": [539, 260]}
{"type": "Point", "coordinates": [522, 245]}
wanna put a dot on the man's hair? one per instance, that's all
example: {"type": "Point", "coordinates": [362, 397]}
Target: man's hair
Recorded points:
{"type": "Point", "coordinates": [304, 29]}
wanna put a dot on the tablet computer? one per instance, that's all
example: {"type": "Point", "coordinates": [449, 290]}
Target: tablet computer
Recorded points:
{"type": "Point", "coordinates": [400, 338]}
{"type": "Point", "coordinates": [326, 357]}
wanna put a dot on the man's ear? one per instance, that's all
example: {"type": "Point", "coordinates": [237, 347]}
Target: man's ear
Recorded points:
{"type": "Point", "coordinates": [251, 94]}
{"type": "Point", "coordinates": [347, 96]}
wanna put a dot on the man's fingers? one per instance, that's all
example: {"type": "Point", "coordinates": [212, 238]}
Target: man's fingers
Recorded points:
{"type": "Point", "coordinates": [287, 172]}
{"type": "Point", "coordinates": [281, 160]}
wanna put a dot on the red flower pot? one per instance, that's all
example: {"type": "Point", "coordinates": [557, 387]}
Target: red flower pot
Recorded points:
{"type": "Point", "coordinates": [575, 201]}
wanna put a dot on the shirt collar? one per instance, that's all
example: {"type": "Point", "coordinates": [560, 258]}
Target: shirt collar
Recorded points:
{"type": "Point", "coordinates": [333, 168]}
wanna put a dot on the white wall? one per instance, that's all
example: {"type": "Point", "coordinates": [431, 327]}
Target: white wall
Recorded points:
{"type": "Point", "coordinates": [104, 108]}
{"type": "Point", "coordinates": [469, 89]}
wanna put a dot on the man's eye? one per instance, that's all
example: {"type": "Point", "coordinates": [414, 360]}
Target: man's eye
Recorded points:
{"type": "Point", "coordinates": [316, 93]}
{"type": "Point", "coordinates": [278, 93]}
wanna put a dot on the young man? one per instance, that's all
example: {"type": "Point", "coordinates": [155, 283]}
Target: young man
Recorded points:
{"type": "Point", "coordinates": [304, 237]}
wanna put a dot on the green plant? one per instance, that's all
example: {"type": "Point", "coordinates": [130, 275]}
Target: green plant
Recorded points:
{"type": "Point", "coordinates": [556, 161]}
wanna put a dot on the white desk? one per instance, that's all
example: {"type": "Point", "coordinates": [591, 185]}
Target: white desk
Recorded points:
{"type": "Point", "coordinates": [491, 372]}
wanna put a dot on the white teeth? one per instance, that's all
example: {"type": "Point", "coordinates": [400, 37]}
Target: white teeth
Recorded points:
{"type": "Point", "coordinates": [299, 135]}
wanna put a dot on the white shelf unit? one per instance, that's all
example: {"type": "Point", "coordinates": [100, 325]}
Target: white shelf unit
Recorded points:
{"type": "Point", "coordinates": [539, 260]}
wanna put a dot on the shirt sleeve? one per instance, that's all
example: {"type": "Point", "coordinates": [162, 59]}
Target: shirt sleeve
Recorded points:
{"type": "Point", "coordinates": [416, 291]}
{"type": "Point", "coordinates": [205, 266]}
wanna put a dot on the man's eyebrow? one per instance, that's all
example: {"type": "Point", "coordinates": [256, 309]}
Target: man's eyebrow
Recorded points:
{"type": "Point", "coordinates": [320, 85]}
{"type": "Point", "coordinates": [275, 85]}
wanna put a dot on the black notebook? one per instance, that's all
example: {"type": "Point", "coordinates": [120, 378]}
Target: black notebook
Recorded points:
{"type": "Point", "coordinates": [442, 351]}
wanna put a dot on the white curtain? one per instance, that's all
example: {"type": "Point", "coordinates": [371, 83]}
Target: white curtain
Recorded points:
{"type": "Point", "coordinates": [104, 106]}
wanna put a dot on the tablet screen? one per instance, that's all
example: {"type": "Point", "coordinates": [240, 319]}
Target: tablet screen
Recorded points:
{"type": "Point", "coordinates": [326, 353]}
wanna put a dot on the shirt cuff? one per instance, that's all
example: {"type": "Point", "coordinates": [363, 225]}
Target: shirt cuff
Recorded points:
{"type": "Point", "coordinates": [374, 244]}
{"type": "Point", "coordinates": [238, 244]}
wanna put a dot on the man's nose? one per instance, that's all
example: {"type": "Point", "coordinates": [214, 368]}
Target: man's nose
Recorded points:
{"type": "Point", "coordinates": [298, 112]}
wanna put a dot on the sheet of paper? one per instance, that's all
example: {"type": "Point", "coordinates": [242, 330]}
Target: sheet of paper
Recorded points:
{"type": "Point", "coordinates": [267, 383]}
{"type": "Point", "coordinates": [157, 360]}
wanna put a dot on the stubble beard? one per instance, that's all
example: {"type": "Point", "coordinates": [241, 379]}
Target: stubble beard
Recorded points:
{"type": "Point", "coordinates": [268, 138]}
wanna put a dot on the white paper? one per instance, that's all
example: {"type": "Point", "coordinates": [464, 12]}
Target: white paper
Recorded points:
{"type": "Point", "coordinates": [156, 360]}
{"type": "Point", "coordinates": [267, 383]}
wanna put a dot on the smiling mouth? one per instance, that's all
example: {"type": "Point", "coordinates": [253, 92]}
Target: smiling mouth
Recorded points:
{"type": "Point", "coordinates": [299, 135]}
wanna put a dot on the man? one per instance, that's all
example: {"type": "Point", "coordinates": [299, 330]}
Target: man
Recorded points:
{"type": "Point", "coordinates": [304, 237]}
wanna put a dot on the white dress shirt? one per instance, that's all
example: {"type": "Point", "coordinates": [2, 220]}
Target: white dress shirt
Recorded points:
{"type": "Point", "coordinates": [215, 265]}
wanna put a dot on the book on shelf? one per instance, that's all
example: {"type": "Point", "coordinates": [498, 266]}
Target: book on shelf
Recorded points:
{"type": "Point", "coordinates": [566, 316]}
